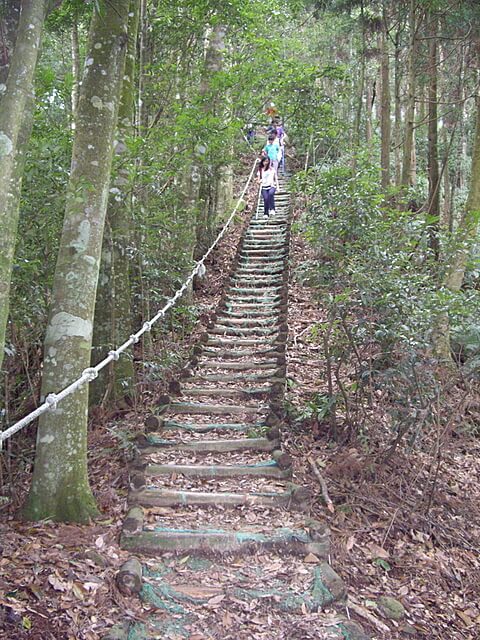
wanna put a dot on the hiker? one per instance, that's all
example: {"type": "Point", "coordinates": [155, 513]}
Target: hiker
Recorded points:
{"type": "Point", "coordinates": [272, 150]}
{"type": "Point", "coordinates": [281, 140]}
{"type": "Point", "coordinates": [272, 129]}
{"type": "Point", "coordinates": [267, 177]}
{"type": "Point", "coordinates": [250, 134]}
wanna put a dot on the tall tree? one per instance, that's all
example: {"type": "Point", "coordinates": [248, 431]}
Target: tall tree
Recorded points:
{"type": "Point", "coordinates": [385, 125]}
{"type": "Point", "coordinates": [409, 142]}
{"type": "Point", "coordinates": [209, 178]}
{"type": "Point", "coordinates": [113, 312]}
{"type": "Point", "coordinates": [433, 168]}
{"type": "Point", "coordinates": [464, 236]}
{"type": "Point", "coordinates": [60, 489]}
{"type": "Point", "coordinates": [16, 106]}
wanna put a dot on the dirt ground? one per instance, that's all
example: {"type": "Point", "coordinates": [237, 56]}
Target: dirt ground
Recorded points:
{"type": "Point", "coordinates": [409, 528]}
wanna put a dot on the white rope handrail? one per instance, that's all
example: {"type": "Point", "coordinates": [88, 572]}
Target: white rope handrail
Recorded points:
{"type": "Point", "coordinates": [89, 374]}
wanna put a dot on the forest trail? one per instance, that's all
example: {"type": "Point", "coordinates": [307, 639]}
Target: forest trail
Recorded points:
{"type": "Point", "coordinates": [211, 477]}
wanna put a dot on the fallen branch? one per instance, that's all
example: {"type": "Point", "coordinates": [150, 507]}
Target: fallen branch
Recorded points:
{"type": "Point", "coordinates": [362, 611]}
{"type": "Point", "coordinates": [323, 485]}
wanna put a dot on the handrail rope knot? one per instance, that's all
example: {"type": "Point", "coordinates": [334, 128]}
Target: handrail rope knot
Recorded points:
{"type": "Point", "coordinates": [51, 400]}
{"type": "Point", "coordinates": [134, 338]}
{"type": "Point", "coordinates": [147, 325]}
{"type": "Point", "coordinates": [90, 373]}
{"type": "Point", "coordinates": [114, 354]}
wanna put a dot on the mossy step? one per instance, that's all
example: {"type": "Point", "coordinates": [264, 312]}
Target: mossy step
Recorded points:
{"type": "Point", "coordinates": [238, 377]}
{"type": "Point", "coordinates": [258, 301]}
{"type": "Point", "coordinates": [233, 341]}
{"type": "Point", "coordinates": [270, 289]}
{"type": "Point", "coordinates": [270, 223]}
{"type": "Point", "coordinates": [326, 587]}
{"type": "Point", "coordinates": [231, 354]}
{"type": "Point", "coordinates": [258, 271]}
{"type": "Point", "coordinates": [225, 330]}
{"type": "Point", "coordinates": [263, 253]}
{"type": "Point", "coordinates": [268, 469]}
{"type": "Point", "coordinates": [264, 308]}
{"type": "Point", "coordinates": [151, 443]}
{"type": "Point", "coordinates": [261, 365]}
{"type": "Point", "coordinates": [265, 238]}
{"type": "Point", "coordinates": [249, 324]}
{"type": "Point", "coordinates": [249, 279]}
{"type": "Point", "coordinates": [262, 246]}
{"type": "Point", "coordinates": [250, 315]}
{"type": "Point", "coordinates": [227, 392]}
{"type": "Point", "coordinates": [217, 541]}
{"type": "Point", "coordinates": [295, 496]}
{"type": "Point", "coordinates": [201, 408]}
{"type": "Point", "coordinates": [209, 427]}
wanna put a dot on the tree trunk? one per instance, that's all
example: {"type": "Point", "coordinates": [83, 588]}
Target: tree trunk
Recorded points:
{"type": "Point", "coordinates": [385, 125]}
{"type": "Point", "coordinates": [357, 123]}
{"type": "Point", "coordinates": [60, 489]}
{"type": "Point", "coordinates": [15, 114]}
{"type": "Point", "coordinates": [369, 109]}
{"type": "Point", "coordinates": [209, 175]}
{"type": "Point", "coordinates": [398, 112]}
{"type": "Point", "coordinates": [75, 71]}
{"type": "Point", "coordinates": [446, 211]}
{"type": "Point", "coordinates": [433, 168]}
{"type": "Point", "coordinates": [113, 313]}
{"type": "Point", "coordinates": [408, 149]}
{"type": "Point", "coordinates": [8, 35]}
{"type": "Point", "coordinates": [464, 237]}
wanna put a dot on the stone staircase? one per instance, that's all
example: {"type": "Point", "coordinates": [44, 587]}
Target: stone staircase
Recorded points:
{"type": "Point", "coordinates": [215, 514]}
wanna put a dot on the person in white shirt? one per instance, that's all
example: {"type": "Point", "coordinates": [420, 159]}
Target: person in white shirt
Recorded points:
{"type": "Point", "coordinates": [268, 179]}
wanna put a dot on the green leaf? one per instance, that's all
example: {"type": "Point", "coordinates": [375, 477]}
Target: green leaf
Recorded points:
{"type": "Point", "coordinates": [380, 562]}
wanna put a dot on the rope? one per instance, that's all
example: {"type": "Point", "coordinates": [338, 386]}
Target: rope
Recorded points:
{"type": "Point", "coordinates": [89, 374]}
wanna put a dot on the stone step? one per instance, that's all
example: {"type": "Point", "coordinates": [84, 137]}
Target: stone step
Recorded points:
{"type": "Point", "coordinates": [271, 352]}
{"type": "Point", "coordinates": [210, 427]}
{"type": "Point", "coordinates": [265, 238]}
{"type": "Point", "coordinates": [272, 376]}
{"type": "Point", "coordinates": [295, 497]}
{"type": "Point", "coordinates": [228, 320]}
{"type": "Point", "coordinates": [240, 366]}
{"type": "Point", "coordinates": [262, 254]}
{"type": "Point", "coordinates": [252, 308]}
{"type": "Point", "coordinates": [241, 299]}
{"type": "Point", "coordinates": [269, 469]}
{"type": "Point", "coordinates": [151, 443]}
{"type": "Point", "coordinates": [323, 587]}
{"type": "Point", "coordinates": [269, 290]}
{"type": "Point", "coordinates": [256, 284]}
{"type": "Point", "coordinates": [227, 392]}
{"type": "Point", "coordinates": [260, 276]}
{"type": "Point", "coordinates": [250, 315]}
{"type": "Point", "coordinates": [234, 341]}
{"type": "Point", "coordinates": [253, 272]}
{"type": "Point", "coordinates": [201, 408]}
{"type": "Point", "coordinates": [225, 330]}
{"type": "Point", "coordinates": [262, 246]}
{"type": "Point", "coordinates": [217, 541]}
{"type": "Point", "coordinates": [258, 261]}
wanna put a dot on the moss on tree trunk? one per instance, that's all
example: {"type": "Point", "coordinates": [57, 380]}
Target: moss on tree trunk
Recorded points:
{"type": "Point", "coordinates": [60, 488]}
{"type": "Point", "coordinates": [113, 313]}
{"type": "Point", "coordinates": [15, 116]}
{"type": "Point", "coordinates": [465, 235]}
